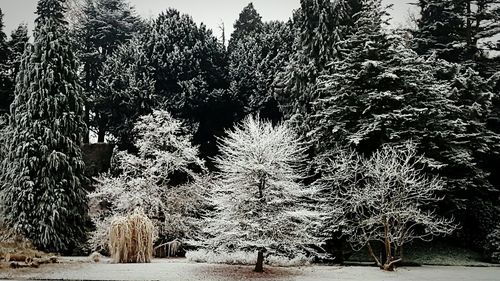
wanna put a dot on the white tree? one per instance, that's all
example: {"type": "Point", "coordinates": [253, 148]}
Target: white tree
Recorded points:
{"type": "Point", "coordinates": [385, 198]}
{"type": "Point", "coordinates": [165, 179]}
{"type": "Point", "coordinates": [258, 193]}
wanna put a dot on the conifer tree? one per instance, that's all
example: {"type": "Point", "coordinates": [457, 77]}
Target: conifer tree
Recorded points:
{"type": "Point", "coordinates": [382, 92]}
{"type": "Point", "coordinates": [249, 23]}
{"type": "Point", "coordinates": [126, 91]}
{"type": "Point", "coordinates": [6, 84]}
{"type": "Point", "coordinates": [321, 25]}
{"type": "Point", "coordinates": [255, 62]}
{"type": "Point", "coordinates": [43, 187]}
{"type": "Point", "coordinates": [462, 31]}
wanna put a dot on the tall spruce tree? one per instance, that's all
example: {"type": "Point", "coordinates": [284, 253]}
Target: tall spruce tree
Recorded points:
{"type": "Point", "coordinates": [382, 92]}
{"type": "Point", "coordinates": [6, 84]}
{"type": "Point", "coordinates": [43, 189]}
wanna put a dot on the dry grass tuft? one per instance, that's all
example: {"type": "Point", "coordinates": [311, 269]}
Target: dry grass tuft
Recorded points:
{"type": "Point", "coordinates": [131, 238]}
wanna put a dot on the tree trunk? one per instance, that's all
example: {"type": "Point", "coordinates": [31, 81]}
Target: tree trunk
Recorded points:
{"type": "Point", "coordinates": [259, 266]}
{"type": "Point", "coordinates": [101, 133]}
{"type": "Point", "coordinates": [86, 119]}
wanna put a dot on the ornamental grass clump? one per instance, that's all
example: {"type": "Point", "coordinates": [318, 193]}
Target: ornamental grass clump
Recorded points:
{"type": "Point", "coordinates": [131, 238]}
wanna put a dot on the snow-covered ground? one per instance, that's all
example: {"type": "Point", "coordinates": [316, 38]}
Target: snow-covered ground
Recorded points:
{"type": "Point", "coordinates": [184, 271]}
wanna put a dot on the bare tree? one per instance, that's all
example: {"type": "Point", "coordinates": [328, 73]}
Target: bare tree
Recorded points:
{"type": "Point", "coordinates": [258, 192]}
{"type": "Point", "coordinates": [385, 198]}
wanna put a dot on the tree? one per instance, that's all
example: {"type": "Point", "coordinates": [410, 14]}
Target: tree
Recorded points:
{"type": "Point", "coordinates": [191, 77]}
{"type": "Point", "coordinates": [125, 91]}
{"type": "Point", "coordinates": [461, 31]}
{"type": "Point", "coordinates": [104, 26]}
{"type": "Point", "coordinates": [248, 23]}
{"type": "Point", "coordinates": [258, 191]}
{"type": "Point", "coordinates": [6, 84]}
{"type": "Point", "coordinates": [165, 179]}
{"type": "Point", "coordinates": [382, 92]}
{"type": "Point", "coordinates": [320, 27]}
{"type": "Point", "coordinates": [255, 62]}
{"type": "Point", "coordinates": [385, 198]}
{"type": "Point", "coordinates": [44, 187]}
{"type": "Point", "coordinates": [17, 43]}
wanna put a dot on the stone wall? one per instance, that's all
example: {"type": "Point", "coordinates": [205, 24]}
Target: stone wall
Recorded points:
{"type": "Point", "coordinates": [97, 158]}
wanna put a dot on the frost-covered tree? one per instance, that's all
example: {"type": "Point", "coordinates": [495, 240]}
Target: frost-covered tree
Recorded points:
{"type": "Point", "coordinates": [102, 28]}
{"type": "Point", "coordinates": [17, 43]}
{"type": "Point", "coordinates": [382, 92]}
{"type": "Point", "coordinates": [384, 199]}
{"type": "Point", "coordinates": [44, 187]}
{"type": "Point", "coordinates": [165, 179]}
{"type": "Point", "coordinates": [258, 194]}
{"type": "Point", "coordinates": [459, 30]}
{"type": "Point", "coordinates": [320, 25]}
{"type": "Point", "coordinates": [6, 84]}
{"type": "Point", "coordinates": [125, 91]}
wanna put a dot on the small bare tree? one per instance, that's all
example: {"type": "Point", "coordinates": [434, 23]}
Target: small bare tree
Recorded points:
{"type": "Point", "coordinates": [384, 198]}
{"type": "Point", "coordinates": [258, 192]}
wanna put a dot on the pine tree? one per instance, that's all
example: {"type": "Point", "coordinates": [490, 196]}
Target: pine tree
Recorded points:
{"type": "Point", "coordinates": [382, 92]}
{"type": "Point", "coordinates": [104, 26]}
{"type": "Point", "coordinates": [6, 83]}
{"type": "Point", "coordinates": [43, 188]}
{"type": "Point", "coordinates": [126, 91]}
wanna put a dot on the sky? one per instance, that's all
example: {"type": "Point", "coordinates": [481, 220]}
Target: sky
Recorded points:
{"type": "Point", "coordinates": [210, 12]}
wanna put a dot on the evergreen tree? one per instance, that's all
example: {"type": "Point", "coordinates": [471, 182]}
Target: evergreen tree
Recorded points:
{"type": "Point", "coordinates": [255, 61]}
{"type": "Point", "coordinates": [248, 23]}
{"type": "Point", "coordinates": [17, 43]}
{"type": "Point", "coordinates": [459, 30]}
{"type": "Point", "coordinates": [381, 92]}
{"type": "Point", "coordinates": [320, 26]}
{"type": "Point", "coordinates": [126, 91]}
{"type": "Point", "coordinates": [6, 84]}
{"type": "Point", "coordinates": [191, 76]}
{"type": "Point", "coordinates": [43, 187]}
{"type": "Point", "coordinates": [104, 26]}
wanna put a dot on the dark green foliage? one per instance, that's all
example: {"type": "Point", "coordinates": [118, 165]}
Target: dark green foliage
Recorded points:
{"type": "Point", "coordinates": [493, 240]}
{"type": "Point", "coordinates": [43, 188]}
{"type": "Point", "coordinates": [6, 83]}
{"type": "Point", "coordinates": [458, 30]}
{"type": "Point", "coordinates": [125, 91]}
{"type": "Point", "coordinates": [248, 23]}
{"type": "Point", "coordinates": [255, 62]}
{"type": "Point", "coordinates": [381, 92]}
{"type": "Point", "coordinates": [104, 26]}
{"type": "Point", "coordinates": [191, 76]}
{"type": "Point", "coordinates": [320, 27]}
